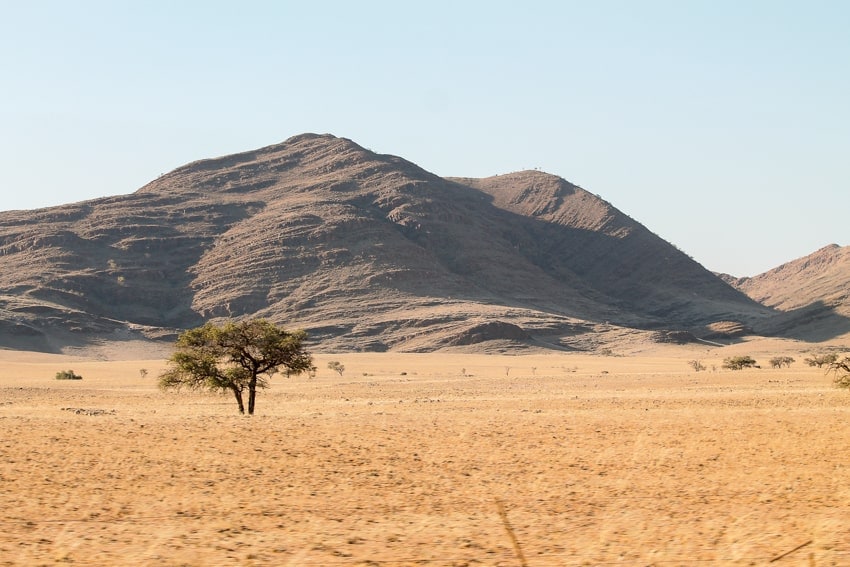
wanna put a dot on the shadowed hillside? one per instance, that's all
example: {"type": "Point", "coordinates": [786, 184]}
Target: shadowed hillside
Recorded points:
{"type": "Point", "coordinates": [812, 293]}
{"type": "Point", "coordinates": [365, 251]}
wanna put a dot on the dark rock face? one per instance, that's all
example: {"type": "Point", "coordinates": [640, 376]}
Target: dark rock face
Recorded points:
{"type": "Point", "coordinates": [365, 251]}
{"type": "Point", "coordinates": [490, 331]}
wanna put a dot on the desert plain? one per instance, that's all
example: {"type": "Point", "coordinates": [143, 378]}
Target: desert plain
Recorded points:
{"type": "Point", "coordinates": [430, 459]}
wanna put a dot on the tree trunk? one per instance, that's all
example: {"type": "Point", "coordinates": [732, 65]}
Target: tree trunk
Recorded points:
{"type": "Point", "coordinates": [238, 393]}
{"type": "Point", "coordinates": [252, 395]}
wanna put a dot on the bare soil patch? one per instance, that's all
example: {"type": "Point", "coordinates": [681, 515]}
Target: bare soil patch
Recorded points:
{"type": "Point", "coordinates": [407, 460]}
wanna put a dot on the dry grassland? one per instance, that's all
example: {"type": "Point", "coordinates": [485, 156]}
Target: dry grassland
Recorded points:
{"type": "Point", "coordinates": [628, 460]}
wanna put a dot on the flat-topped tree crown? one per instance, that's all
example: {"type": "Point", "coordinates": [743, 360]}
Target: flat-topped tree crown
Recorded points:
{"type": "Point", "coordinates": [235, 356]}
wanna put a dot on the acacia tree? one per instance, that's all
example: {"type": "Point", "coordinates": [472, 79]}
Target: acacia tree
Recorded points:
{"type": "Point", "coordinates": [820, 359]}
{"type": "Point", "coordinates": [738, 362]}
{"type": "Point", "coordinates": [780, 361]}
{"type": "Point", "coordinates": [235, 356]}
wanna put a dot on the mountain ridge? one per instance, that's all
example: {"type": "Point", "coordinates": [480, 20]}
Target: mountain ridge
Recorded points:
{"type": "Point", "coordinates": [366, 251]}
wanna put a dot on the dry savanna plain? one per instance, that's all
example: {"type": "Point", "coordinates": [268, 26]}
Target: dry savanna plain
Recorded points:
{"type": "Point", "coordinates": [431, 459]}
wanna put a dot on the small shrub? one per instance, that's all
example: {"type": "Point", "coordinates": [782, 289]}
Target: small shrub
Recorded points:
{"type": "Point", "coordinates": [696, 365]}
{"type": "Point", "coordinates": [143, 372]}
{"type": "Point", "coordinates": [336, 366]}
{"type": "Point", "coordinates": [68, 375]}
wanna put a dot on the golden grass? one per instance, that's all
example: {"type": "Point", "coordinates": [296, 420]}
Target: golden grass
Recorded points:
{"type": "Point", "coordinates": [632, 460]}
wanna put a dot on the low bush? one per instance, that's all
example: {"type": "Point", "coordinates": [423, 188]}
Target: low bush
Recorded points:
{"type": "Point", "coordinates": [68, 375]}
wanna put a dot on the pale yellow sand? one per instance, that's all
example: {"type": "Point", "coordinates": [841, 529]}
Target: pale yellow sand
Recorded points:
{"type": "Point", "coordinates": [627, 460]}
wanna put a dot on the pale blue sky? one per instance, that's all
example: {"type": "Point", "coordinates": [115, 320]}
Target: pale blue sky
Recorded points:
{"type": "Point", "coordinates": [723, 126]}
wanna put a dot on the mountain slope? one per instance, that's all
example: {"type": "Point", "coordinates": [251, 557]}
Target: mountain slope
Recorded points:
{"type": "Point", "coordinates": [613, 253]}
{"type": "Point", "coordinates": [813, 294]}
{"type": "Point", "coordinates": [366, 251]}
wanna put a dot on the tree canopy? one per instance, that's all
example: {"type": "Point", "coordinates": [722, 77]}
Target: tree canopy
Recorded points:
{"type": "Point", "coordinates": [235, 356]}
{"type": "Point", "coordinates": [820, 359]}
{"type": "Point", "coordinates": [738, 362]}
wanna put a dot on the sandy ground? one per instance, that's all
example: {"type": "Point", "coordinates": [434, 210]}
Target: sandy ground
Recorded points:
{"type": "Point", "coordinates": [436, 459]}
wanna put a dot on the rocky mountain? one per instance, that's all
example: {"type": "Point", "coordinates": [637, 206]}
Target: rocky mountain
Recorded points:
{"type": "Point", "coordinates": [365, 251]}
{"type": "Point", "coordinates": [812, 293]}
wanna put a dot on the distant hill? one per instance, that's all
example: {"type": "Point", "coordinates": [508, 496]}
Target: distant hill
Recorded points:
{"type": "Point", "coordinates": [365, 251]}
{"type": "Point", "coordinates": [813, 294]}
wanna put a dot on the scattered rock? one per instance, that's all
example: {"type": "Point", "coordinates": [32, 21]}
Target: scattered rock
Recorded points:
{"type": "Point", "coordinates": [89, 411]}
{"type": "Point", "coordinates": [674, 337]}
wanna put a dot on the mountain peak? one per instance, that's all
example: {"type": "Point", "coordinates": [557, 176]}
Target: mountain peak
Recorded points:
{"type": "Point", "coordinates": [301, 162]}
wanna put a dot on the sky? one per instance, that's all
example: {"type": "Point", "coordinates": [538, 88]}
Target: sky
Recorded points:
{"type": "Point", "coordinates": [723, 126]}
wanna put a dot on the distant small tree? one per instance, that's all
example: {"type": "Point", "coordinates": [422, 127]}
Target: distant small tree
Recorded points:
{"type": "Point", "coordinates": [143, 372]}
{"type": "Point", "coordinates": [68, 375]}
{"type": "Point", "coordinates": [336, 366]}
{"type": "Point", "coordinates": [235, 356]}
{"type": "Point", "coordinates": [780, 361]}
{"type": "Point", "coordinates": [696, 365]}
{"type": "Point", "coordinates": [820, 360]}
{"type": "Point", "coordinates": [841, 369]}
{"type": "Point", "coordinates": [738, 362]}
